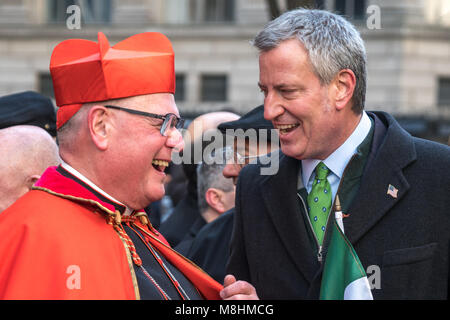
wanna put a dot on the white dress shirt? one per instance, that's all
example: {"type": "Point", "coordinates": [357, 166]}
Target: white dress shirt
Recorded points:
{"type": "Point", "coordinates": [338, 160]}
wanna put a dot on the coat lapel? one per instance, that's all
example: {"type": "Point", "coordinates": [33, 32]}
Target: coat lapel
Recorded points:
{"type": "Point", "coordinates": [390, 153]}
{"type": "Point", "coordinates": [280, 198]}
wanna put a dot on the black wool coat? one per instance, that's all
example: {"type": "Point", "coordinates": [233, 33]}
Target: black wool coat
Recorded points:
{"type": "Point", "coordinates": [405, 237]}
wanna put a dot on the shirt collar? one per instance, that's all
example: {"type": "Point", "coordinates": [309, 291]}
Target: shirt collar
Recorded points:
{"type": "Point", "coordinates": [80, 176]}
{"type": "Point", "coordinates": [339, 159]}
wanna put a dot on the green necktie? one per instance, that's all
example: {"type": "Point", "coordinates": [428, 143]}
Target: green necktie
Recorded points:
{"type": "Point", "coordinates": [319, 201]}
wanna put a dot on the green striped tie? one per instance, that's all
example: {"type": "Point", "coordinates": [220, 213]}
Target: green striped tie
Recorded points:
{"type": "Point", "coordinates": [319, 201]}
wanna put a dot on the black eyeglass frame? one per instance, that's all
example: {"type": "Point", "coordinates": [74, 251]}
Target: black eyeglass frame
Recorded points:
{"type": "Point", "coordinates": [166, 118]}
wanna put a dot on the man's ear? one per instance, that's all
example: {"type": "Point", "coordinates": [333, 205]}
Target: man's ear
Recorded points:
{"type": "Point", "coordinates": [98, 118]}
{"type": "Point", "coordinates": [214, 197]}
{"type": "Point", "coordinates": [343, 87]}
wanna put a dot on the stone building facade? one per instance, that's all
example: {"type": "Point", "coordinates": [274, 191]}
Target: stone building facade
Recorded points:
{"type": "Point", "coordinates": [407, 41]}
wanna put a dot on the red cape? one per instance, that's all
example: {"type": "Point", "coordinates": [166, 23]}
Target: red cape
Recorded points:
{"type": "Point", "coordinates": [57, 244]}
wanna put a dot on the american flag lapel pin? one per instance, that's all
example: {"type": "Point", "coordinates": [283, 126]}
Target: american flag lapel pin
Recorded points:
{"type": "Point", "coordinates": [392, 191]}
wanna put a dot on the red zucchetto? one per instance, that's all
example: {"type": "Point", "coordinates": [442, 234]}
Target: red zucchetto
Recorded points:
{"type": "Point", "coordinates": [85, 71]}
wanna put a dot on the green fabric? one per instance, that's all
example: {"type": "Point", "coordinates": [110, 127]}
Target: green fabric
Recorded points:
{"type": "Point", "coordinates": [342, 267]}
{"type": "Point", "coordinates": [348, 188]}
{"type": "Point", "coordinates": [351, 179]}
{"type": "Point", "coordinates": [319, 201]}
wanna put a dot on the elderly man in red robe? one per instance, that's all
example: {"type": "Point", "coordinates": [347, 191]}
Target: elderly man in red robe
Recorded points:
{"type": "Point", "coordinates": [81, 232]}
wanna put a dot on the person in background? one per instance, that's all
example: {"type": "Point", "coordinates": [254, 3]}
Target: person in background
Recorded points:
{"type": "Point", "coordinates": [185, 219]}
{"type": "Point", "coordinates": [243, 149]}
{"type": "Point", "coordinates": [210, 248]}
{"type": "Point", "coordinates": [25, 152]}
{"type": "Point", "coordinates": [215, 196]}
{"type": "Point", "coordinates": [215, 192]}
{"type": "Point", "coordinates": [28, 108]}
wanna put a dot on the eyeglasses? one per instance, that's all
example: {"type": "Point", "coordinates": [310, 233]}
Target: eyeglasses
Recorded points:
{"type": "Point", "coordinates": [170, 120]}
{"type": "Point", "coordinates": [238, 159]}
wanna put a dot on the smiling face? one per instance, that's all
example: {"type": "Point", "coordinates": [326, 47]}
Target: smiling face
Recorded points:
{"type": "Point", "coordinates": [298, 105]}
{"type": "Point", "coordinates": [139, 153]}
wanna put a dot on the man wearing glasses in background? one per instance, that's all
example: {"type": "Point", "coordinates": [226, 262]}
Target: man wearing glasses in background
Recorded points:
{"type": "Point", "coordinates": [210, 248]}
{"type": "Point", "coordinates": [82, 233]}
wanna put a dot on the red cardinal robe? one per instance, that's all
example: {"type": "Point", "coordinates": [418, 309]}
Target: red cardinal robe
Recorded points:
{"type": "Point", "coordinates": [57, 244]}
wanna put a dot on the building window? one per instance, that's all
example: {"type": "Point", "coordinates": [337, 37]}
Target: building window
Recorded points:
{"type": "Point", "coordinates": [212, 10]}
{"type": "Point", "coordinates": [45, 84]}
{"type": "Point", "coordinates": [444, 92]}
{"type": "Point", "coordinates": [219, 10]}
{"type": "Point", "coordinates": [320, 4]}
{"type": "Point", "coordinates": [353, 9]}
{"type": "Point", "coordinates": [214, 88]}
{"type": "Point", "coordinates": [92, 11]}
{"type": "Point", "coordinates": [180, 93]}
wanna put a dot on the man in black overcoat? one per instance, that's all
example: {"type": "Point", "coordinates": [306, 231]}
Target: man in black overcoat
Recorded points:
{"type": "Point", "coordinates": [394, 188]}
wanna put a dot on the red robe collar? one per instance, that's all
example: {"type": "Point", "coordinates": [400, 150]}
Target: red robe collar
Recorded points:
{"type": "Point", "coordinates": [58, 181]}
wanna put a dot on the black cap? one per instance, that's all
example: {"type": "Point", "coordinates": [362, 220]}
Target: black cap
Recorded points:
{"type": "Point", "coordinates": [28, 108]}
{"type": "Point", "coordinates": [251, 120]}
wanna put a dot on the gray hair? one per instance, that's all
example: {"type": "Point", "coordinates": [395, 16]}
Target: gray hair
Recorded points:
{"type": "Point", "coordinates": [333, 44]}
{"type": "Point", "coordinates": [210, 176]}
{"type": "Point", "coordinates": [69, 130]}
{"type": "Point", "coordinates": [67, 135]}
